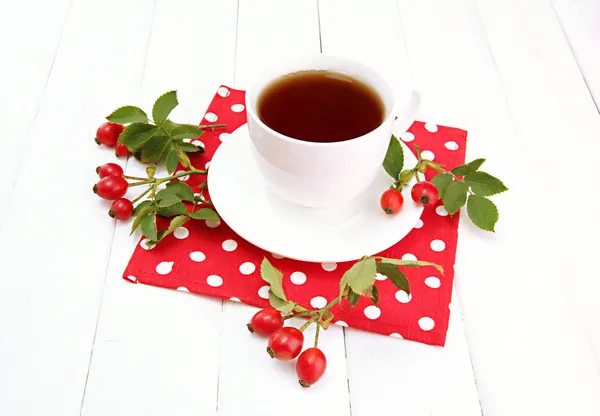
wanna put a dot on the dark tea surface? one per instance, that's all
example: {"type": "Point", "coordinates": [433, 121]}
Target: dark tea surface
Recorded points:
{"type": "Point", "coordinates": [320, 106]}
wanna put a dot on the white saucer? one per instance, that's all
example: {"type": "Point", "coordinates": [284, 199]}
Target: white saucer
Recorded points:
{"type": "Point", "coordinates": [258, 215]}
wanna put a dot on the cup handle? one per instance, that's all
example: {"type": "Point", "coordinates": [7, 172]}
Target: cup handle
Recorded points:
{"type": "Point", "coordinates": [407, 118]}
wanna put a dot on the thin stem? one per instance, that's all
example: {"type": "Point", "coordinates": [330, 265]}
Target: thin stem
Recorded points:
{"type": "Point", "coordinates": [134, 178]}
{"type": "Point", "coordinates": [210, 126]}
{"type": "Point", "coordinates": [317, 334]}
{"type": "Point", "coordinates": [308, 323]}
{"type": "Point", "coordinates": [142, 195]}
{"type": "Point", "coordinates": [330, 304]}
{"type": "Point", "coordinates": [297, 315]}
{"type": "Point", "coordinates": [180, 174]}
{"type": "Point", "coordinates": [143, 183]}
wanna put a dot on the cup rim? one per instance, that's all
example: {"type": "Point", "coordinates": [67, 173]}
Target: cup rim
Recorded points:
{"type": "Point", "coordinates": [254, 91]}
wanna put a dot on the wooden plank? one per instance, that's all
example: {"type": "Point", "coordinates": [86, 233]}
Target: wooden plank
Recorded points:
{"type": "Point", "coordinates": [27, 57]}
{"type": "Point", "coordinates": [157, 351]}
{"type": "Point", "coordinates": [387, 373]}
{"type": "Point", "coordinates": [56, 243]}
{"type": "Point", "coordinates": [270, 30]}
{"type": "Point", "coordinates": [579, 20]}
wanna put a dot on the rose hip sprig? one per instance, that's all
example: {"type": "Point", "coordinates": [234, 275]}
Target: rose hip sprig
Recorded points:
{"type": "Point", "coordinates": [464, 184]}
{"type": "Point", "coordinates": [286, 342]}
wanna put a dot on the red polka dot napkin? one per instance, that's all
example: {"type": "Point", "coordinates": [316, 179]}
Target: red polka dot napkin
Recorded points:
{"type": "Point", "coordinates": [208, 258]}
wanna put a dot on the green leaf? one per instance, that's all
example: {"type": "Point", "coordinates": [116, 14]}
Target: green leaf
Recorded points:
{"type": "Point", "coordinates": [171, 161]}
{"type": "Point", "coordinates": [395, 275]}
{"type": "Point", "coordinates": [173, 225]}
{"type": "Point", "coordinates": [412, 263]}
{"type": "Point", "coordinates": [482, 212]}
{"type": "Point", "coordinates": [154, 149]}
{"type": "Point", "coordinates": [149, 227]}
{"type": "Point", "coordinates": [168, 200]}
{"type": "Point", "coordinates": [442, 182]}
{"type": "Point", "coordinates": [360, 277]}
{"type": "Point", "coordinates": [205, 214]}
{"type": "Point", "coordinates": [455, 196]}
{"type": "Point", "coordinates": [163, 107]}
{"type": "Point", "coordinates": [175, 209]}
{"type": "Point", "coordinates": [484, 184]}
{"type": "Point", "coordinates": [168, 126]}
{"type": "Point", "coordinates": [353, 298]}
{"type": "Point", "coordinates": [180, 189]}
{"type": "Point", "coordinates": [143, 212]}
{"type": "Point", "coordinates": [128, 114]}
{"type": "Point", "coordinates": [374, 295]}
{"type": "Point", "coordinates": [467, 168]}
{"type": "Point", "coordinates": [394, 158]}
{"type": "Point", "coordinates": [186, 131]}
{"type": "Point", "coordinates": [281, 305]}
{"type": "Point", "coordinates": [183, 158]}
{"type": "Point", "coordinates": [273, 277]}
{"type": "Point", "coordinates": [136, 134]}
{"type": "Point", "coordinates": [190, 148]}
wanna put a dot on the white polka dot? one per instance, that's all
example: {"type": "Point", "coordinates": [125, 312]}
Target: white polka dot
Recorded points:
{"type": "Point", "coordinates": [433, 128]}
{"type": "Point", "coordinates": [229, 245]}
{"type": "Point", "coordinates": [403, 297]}
{"type": "Point", "coordinates": [329, 267]}
{"type": "Point", "coordinates": [224, 136]}
{"type": "Point", "coordinates": [145, 246]}
{"type": "Point", "coordinates": [409, 256]}
{"type": "Point", "coordinates": [396, 335]}
{"type": "Point", "coordinates": [234, 299]}
{"type": "Point", "coordinates": [298, 278]}
{"type": "Point", "coordinates": [372, 312]}
{"type": "Point", "coordinates": [197, 256]}
{"type": "Point", "coordinates": [380, 276]}
{"type": "Point", "coordinates": [237, 108]}
{"type": "Point", "coordinates": [212, 223]}
{"type": "Point", "coordinates": [441, 211]}
{"type": "Point", "coordinates": [214, 280]}
{"type": "Point", "coordinates": [277, 256]}
{"type": "Point", "coordinates": [183, 289]}
{"type": "Point", "coordinates": [223, 92]}
{"type": "Point", "coordinates": [318, 302]}
{"type": "Point", "coordinates": [437, 245]}
{"type": "Point", "coordinates": [427, 154]}
{"type": "Point", "coordinates": [247, 268]}
{"type": "Point", "coordinates": [451, 145]}
{"type": "Point", "coordinates": [341, 323]}
{"type": "Point", "coordinates": [433, 282]}
{"type": "Point", "coordinates": [181, 232]}
{"type": "Point", "coordinates": [419, 223]}
{"type": "Point", "coordinates": [164, 267]}
{"type": "Point", "coordinates": [182, 178]}
{"type": "Point", "coordinates": [426, 323]}
{"type": "Point", "coordinates": [408, 137]}
{"type": "Point", "coordinates": [199, 143]}
{"type": "Point", "coordinates": [131, 278]}
{"type": "Point", "coordinates": [263, 292]}
{"type": "Point", "coordinates": [212, 117]}
{"type": "Point", "coordinates": [207, 165]}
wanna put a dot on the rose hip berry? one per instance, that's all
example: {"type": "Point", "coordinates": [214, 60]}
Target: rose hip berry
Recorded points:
{"type": "Point", "coordinates": [285, 343]}
{"type": "Point", "coordinates": [391, 201]}
{"type": "Point", "coordinates": [111, 187]}
{"type": "Point", "coordinates": [265, 322]}
{"type": "Point", "coordinates": [108, 133]}
{"type": "Point", "coordinates": [121, 209]}
{"type": "Point", "coordinates": [122, 150]}
{"type": "Point", "coordinates": [311, 365]}
{"type": "Point", "coordinates": [109, 169]}
{"type": "Point", "coordinates": [424, 193]}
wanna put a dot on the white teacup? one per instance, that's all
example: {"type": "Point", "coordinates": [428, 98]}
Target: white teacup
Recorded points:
{"type": "Point", "coordinates": [323, 175]}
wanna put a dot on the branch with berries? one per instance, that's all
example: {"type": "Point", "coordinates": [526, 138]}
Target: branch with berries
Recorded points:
{"type": "Point", "coordinates": [153, 142]}
{"type": "Point", "coordinates": [465, 184]}
{"type": "Point", "coordinates": [286, 342]}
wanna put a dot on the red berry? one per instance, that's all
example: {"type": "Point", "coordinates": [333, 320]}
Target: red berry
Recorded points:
{"type": "Point", "coordinates": [424, 193]}
{"type": "Point", "coordinates": [311, 365]}
{"type": "Point", "coordinates": [121, 209]}
{"type": "Point", "coordinates": [266, 321]}
{"type": "Point", "coordinates": [109, 169]}
{"type": "Point", "coordinates": [108, 133]}
{"type": "Point", "coordinates": [391, 201]}
{"type": "Point", "coordinates": [285, 343]}
{"type": "Point", "coordinates": [111, 187]}
{"type": "Point", "coordinates": [122, 150]}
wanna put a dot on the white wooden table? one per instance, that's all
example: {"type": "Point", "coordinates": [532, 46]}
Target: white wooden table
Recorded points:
{"type": "Point", "coordinates": [521, 76]}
